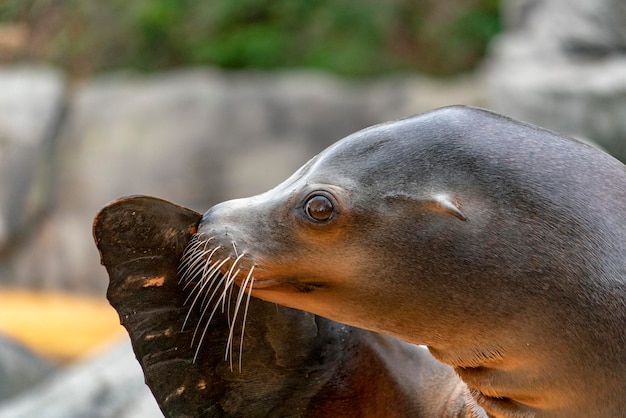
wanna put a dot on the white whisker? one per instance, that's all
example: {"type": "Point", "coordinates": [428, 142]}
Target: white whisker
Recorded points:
{"type": "Point", "coordinates": [232, 323]}
{"type": "Point", "coordinates": [192, 245]}
{"type": "Point", "coordinates": [208, 289]}
{"type": "Point", "coordinates": [229, 288]}
{"type": "Point", "coordinates": [216, 306]}
{"type": "Point", "coordinates": [208, 272]}
{"type": "Point", "coordinates": [190, 253]}
{"type": "Point", "coordinates": [245, 316]}
{"type": "Point", "coordinates": [230, 279]}
{"type": "Point", "coordinates": [193, 264]}
{"type": "Point", "coordinates": [205, 303]}
{"type": "Point", "coordinates": [198, 265]}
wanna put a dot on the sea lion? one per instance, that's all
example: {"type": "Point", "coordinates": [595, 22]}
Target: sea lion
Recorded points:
{"type": "Point", "coordinates": [294, 363]}
{"type": "Point", "coordinates": [499, 245]}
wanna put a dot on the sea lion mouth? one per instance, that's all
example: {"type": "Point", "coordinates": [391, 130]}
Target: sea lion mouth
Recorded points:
{"type": "Point", "coordinates": [499, 406]}
{"type": "Point", "coordinates": [205, 260]}
{"type": "Point", "coordinates": [288, 283]}
{"type": "Point", "coordinates": [285, 282]}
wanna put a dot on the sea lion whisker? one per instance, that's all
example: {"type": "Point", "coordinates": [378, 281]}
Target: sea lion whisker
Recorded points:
{"type": "Point", "coordinates": [206, 327]}
{"type": "Point", "coordinates": [228, 352]}
{"type": "Point", "coordinates": [202, 286]}
{"type": "Point", "coordinates": [203, 280]}
{"type": "Point", "coordinates": [208, 269]}
{"type": "Point", "coordinates": [245, 316]}
{"type": "Point", "coordinates": [229, 344]}
{"type": "Point", "coordinates": [188, 270]}
{"type": "Point", "coordinates": [211, 274]}
{"type": "Point", "coordinates": [196, 284]}
{"type": "Point", "coordinates": [206, 303]}
{"type": "Point", "coordinates": [190, 253]}
{"type": "Point", "coordinates": [199, 265]}
{"type": "Point", "coordinates": [216, 306]}
{"type": "Point", "coordinates": [194, 269]}
{"type": "Point", "coordinates": [212, 282]}
{"type": "Point", "coordinates": [229, 286]}
{"type": "Point", "coordinates": [194, 242]}
{"type": "Point", "coordinates": [192, 245]}
{"type": "Point", "coordinates": [193, 264]}
{"type": "Point", "coordinates": [234, 265]}
{"type": "Point", "coordinates": [196, 277]}
{"type": "Point", "coordinates": [229, 282]}
{"type": "Point", "coordinates": [199, 290]}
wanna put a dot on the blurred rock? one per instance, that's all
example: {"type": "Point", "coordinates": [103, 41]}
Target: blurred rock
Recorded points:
{"type": "Point", "coordinates": [31, 103]}
{"type": "Point", "coordinates": [570, 27]}
{"type": "Point", "coordinates": [106, 386]}
{"type": "Point", "coordinates": [20, 368]}
{"type": "Point", "coordinates": [562, 65]}
{"type": "Point", "coordinates": [196, 137]}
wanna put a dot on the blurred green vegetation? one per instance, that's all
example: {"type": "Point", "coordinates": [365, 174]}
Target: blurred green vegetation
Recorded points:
{"type": "Point", "coordinates": [353, 38]}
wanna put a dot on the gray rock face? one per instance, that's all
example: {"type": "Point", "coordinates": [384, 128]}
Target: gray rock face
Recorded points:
{"type": "Point", "coordinates": [106, 386]}
{"type": "Point", "coordinates": [19, 368]}
{"type": "Point", "coordinates": [574, 27]}
{"type": "Point", "coordinates": [30, 107]}
{"type": "Point", "coordinates": [562, 65]}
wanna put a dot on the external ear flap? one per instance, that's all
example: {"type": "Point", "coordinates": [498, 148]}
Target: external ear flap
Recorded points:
{"type": "Point", "coordinates": [441, 202]}
{"type": "Point", "coordinates": [446, 204]}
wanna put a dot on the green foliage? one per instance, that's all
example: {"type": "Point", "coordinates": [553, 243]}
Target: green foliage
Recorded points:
{"type": "Point", "coordinates": [9, 10]}
{"type": "Point", "coordinates": [363, 38]}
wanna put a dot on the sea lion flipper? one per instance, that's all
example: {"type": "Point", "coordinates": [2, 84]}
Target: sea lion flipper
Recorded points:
{"type": "Point", "coordinates": [130, 227]}
{"type": "Point", "coordinates": [140, 240]}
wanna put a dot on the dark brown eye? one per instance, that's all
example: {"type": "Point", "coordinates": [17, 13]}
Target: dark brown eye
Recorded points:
{"type": "Point", "coordinates": [319, 208]}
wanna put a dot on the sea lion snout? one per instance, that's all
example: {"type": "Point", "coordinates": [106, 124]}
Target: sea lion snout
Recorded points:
{"type": "Point", "coordinates": [220, 239]}
{"type": "Point", "coordinates": [230, 212]}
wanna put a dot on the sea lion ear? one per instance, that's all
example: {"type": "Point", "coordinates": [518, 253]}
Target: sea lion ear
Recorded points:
{"type": "Point", "coordinates": [440, 202]}
{"type": "Point", "coordinates": [445, 203]}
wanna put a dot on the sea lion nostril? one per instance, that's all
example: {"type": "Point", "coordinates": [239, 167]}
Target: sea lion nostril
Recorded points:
{"type": "Point", "coordinates": [206, 217]}
{"type": "Point", "coordinates": [216, 211]}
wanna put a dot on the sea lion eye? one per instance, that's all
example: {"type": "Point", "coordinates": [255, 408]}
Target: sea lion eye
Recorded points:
{"type": "Point", "coordinates": [319, 208]}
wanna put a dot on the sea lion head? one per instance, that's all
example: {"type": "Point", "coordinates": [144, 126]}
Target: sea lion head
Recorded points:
{"type": "Point", "coordinates": [377, 213]}
{"type": "Point", "coordinates": [433, 220]}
